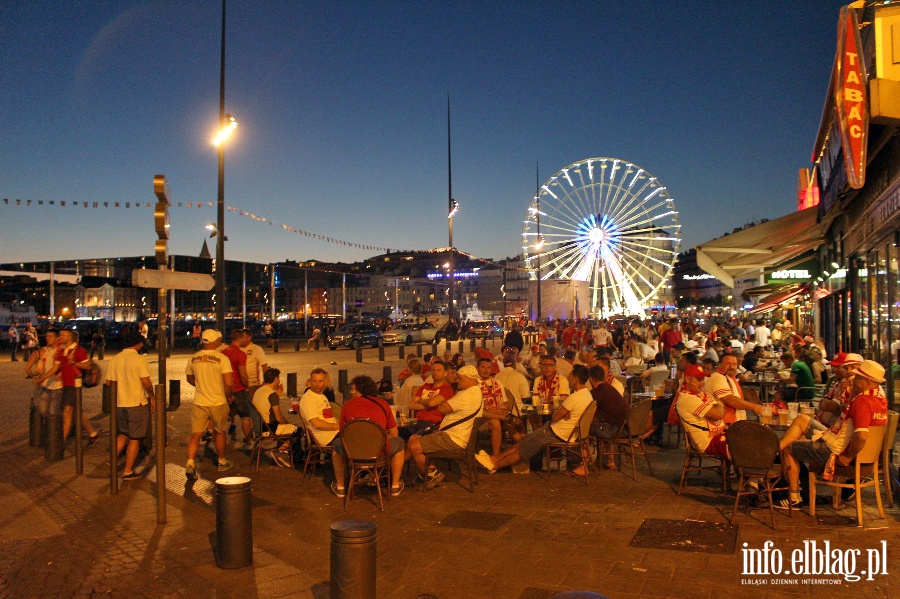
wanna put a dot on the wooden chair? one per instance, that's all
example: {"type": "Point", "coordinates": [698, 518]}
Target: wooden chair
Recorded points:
{"type": "Point", "coordinates": [865, 464]}
{"type": "Point", "coordinates": [889, 436]}
{"type": "Point", "coordinates": [631, 437]}
{"type": "Point", "coordinates": [313, 449]}
{"type": "Point", "coordinates": [335, 410]}
{"type": "Point", "coordinates": [577, 446]}
{"type": "Point", "coordinates": [365, 447]}
{"type": "Point", "coordinates": [464, 456]}
{"type": "Point", "coordinates": [692, 454]}
{"type": "Point", "coordinates": [753, 449]}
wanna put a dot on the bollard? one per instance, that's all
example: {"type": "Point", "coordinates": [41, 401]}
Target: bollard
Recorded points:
{"type": "Point", "coordinates": [53, 450]}
{"type": "Point", "coordinates": [461, 348]}
{"type": "Point", "coordinates": [446, 346]}
{"type": "Point", "coordinates": [234, 523]}
{"type": "Point", "coordinates": [472, 345]}
{"type": "Point", "coordinates": [36, 428]}
{"type": "Point", "coordinates": [434, 347]}
{"type": "Point", "coordinates": [113, 437]}
{"type": "Point", "coordinates": [297, 345]}
{"type": "Point", "coordinates": [104, 405]}
{"type": "Point", "coordinates": [292, 384]}
{"type": "Point", "coordinates": [174, 394]}
{"type": "Point", "coordinates": [381, 353]}
{"type": "Point", "coordinates": [402, 350]}
{"type": "Point", "coordinates": [387, 374]}
{"type": "Point", "coordinates": [275, 346]}
{"type": "Point", "coordinates": [353, 559]}
{"type": "Point", "coordinates": [359, 354]}
{"type": "Point", "coordinates": [79, 429]}
{"type": "Point", "coordinates": [343, 385]}
{"type": "Point", "coordinates": [484, 342]}
{"type": "Point", "coordinates": [419, 349]}
{"type": "Point", "coordinates": [316, 345]}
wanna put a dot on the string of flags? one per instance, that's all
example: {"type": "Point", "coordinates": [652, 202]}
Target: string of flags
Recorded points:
{"type": "Point", "coordinates": [232, 209]}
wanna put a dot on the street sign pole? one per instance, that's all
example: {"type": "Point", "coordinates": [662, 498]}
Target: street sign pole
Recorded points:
{"type": "Point", "coordinates": [161, 219]}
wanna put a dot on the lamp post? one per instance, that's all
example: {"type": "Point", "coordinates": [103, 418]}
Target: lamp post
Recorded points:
{"type": "Point", "coordinates": [540, 239]}
{"type": "Point", "coordinates": [452, 208]}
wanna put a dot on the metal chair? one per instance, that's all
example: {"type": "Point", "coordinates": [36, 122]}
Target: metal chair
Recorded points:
{"type": "Point", "coordinates": [658, 378]}
{"type": "Point", "coordinates": [269, 440]}
{"type": "Point", "coordinates": [693, 454]}
{"type": "Point", "coordinates": [462, 456]}
{"type": "Point", "coordinates": [889, 436]}
{"type": "Point", "coordinates": [313, 449]}
{"type": "Point", "coordinates": [753, 449]}
{"type": "Point", "coordinates": [577, 446]}
{"type": "Point", "coordinates": [365, 447]}
{"type": "Point", "coordinates": [865, 464]}
{"type": "Point", "coordinates": [630, 440]}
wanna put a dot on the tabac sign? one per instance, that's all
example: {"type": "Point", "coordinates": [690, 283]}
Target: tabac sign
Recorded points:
{"type": "Point", "coordinates": [850, 97]}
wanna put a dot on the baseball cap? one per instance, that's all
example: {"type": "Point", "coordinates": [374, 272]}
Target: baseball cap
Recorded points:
{"type": "Point", "coordinates": [210, 335]}
{"type": "Point", "coordinates": [871, 370]}
{"type": "Point", "coordinates": [469, 371]}
{"type": "Point", "coordinates": [696, 371]}
{"type": "Point", "coordinates": [839, 360]}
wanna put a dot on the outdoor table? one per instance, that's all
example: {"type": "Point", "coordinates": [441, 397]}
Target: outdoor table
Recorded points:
{"type": "Point", "coordinates": [407, 427]}
{"type": "Point", "coordinates": [766, 388]}
{"type": "Point", "coordinates": [537, 416]}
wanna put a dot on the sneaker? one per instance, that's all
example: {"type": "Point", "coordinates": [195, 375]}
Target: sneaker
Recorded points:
{"type": "Point", "coordinates": [280, 458]}
{"type": "Point", "coordinates": [339, 492]}
{"type": "Point", "coordinates": [435, 476]}
{"type": "Point", "coordinates": [787, 504]}
{"type": "Point", "coordinates": [190, 472]}
{"type": "Point", "coordinates": [366, 479]}
{"type": "Point", "coordinates": [131, 475]}
{"type": "Point", "coordinates": [92, 440]}
{"type": "Point", "coordinates": [397, 490]}
{"type": "Point", "coordinates": [206, 437]}
{"type": "Point", "coordinates": [225, 465]}
{"type": "Point", "coordinates": [485, 460]}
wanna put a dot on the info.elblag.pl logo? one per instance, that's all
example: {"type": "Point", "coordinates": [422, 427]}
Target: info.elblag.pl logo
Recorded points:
{"type": "Point", "coordinates": [815, 562]}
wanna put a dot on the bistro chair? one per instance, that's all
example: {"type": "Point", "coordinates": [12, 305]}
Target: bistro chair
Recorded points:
{"type": "Point", "coordinates": [889, 436]}
{"type": "Point", "coordinates": [335, 410]}
{"type": "Point", "coordinates": [630, 440]}
{"type": "Point", "coordinates": [314, 451]}
{"type": "Point", "coordinates": [268, 440]}
{"type": "Point", "coordinates": [465, 456]}
{"type": "Point", "coordinates": [865, 465]}
{"type": "Point", "coordinates": [693, 461]}
{"type": "Point", "coordinates": [753, 447]}
{"type": "Point", "coordinates": [577, 446]}
{"type": "Point", "coordinates": [365, 447]}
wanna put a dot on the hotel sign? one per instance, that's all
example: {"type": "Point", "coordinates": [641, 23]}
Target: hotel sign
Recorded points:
{"type": "Point", "coordinates": [851, 104]}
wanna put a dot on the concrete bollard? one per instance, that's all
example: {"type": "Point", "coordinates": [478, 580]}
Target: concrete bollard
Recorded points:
{"type": "Point", "coordinates": [419, 350]}
{"type": "Point", "coordinates": [275, 346]}
{"type": "Point", "coordinates": [387, 374]}
{"type": "Point", "coordinates": [297, 345]}
{"type": "Point", "coordinates": [36, 428]}
{"type": "Point", "coordinates": [402, 349]}
{"type": "Point", "coordinates": [234, 523]}
{"type": "Point", "coordinates": [381, 353]}
{"type": "Point", "coordinates": [353, 559]}
{"type": "Point", "coordinates": [292, 384]}
{"type": "Point", "coordinates": [53, 449]}
{"type": "Point", "coordinates": [174, 394]}
{"type": "Point", "coordinates": [359, 355]}
{"type": "Point", "coordinates": [484, 342]}
{"type": "Point", "coordinates": [461, 348]}
{"type": "Point", "coordinates": [316, 344]}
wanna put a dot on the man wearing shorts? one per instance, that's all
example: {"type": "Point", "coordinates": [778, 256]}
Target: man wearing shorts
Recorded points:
{"type": "Point", "coordinates": [462, 408]}
{"type": "Point", "coordinates": [135, 400]}
{"type": "Point", "coordinates": [47, 381]}
{"type": "Point", "coordinates": [240, 406]}
{"type": "Point", "coordinates": [73, 361]}
{"type": "Point", "coordinates": [209, 371]}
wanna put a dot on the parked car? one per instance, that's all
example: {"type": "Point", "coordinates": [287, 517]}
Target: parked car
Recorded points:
{"type": "Point", "coordinates": [409, 333]}
{"type": "Point", "coordinates": [355, 335]}
{"type": "Point", "coordinates": [487, 329]}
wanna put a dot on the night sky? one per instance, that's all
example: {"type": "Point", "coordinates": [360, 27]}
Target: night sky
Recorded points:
{"type": "Point", "coordinates": [343, 124]}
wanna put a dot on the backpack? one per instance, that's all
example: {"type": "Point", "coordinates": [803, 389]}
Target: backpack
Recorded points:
{"type": "Point", "coordinates": [92, 377]}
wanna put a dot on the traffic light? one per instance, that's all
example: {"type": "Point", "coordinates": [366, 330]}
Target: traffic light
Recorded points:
{"type": "Point", "coordinates": [161, 218]}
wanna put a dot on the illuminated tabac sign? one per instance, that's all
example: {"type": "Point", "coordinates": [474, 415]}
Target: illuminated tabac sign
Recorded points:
{"type": "Point", "coordinates": [850, 98]}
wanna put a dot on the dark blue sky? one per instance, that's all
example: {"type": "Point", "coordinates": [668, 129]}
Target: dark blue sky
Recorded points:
{"type": "Point", "coordinates": [342, 116]}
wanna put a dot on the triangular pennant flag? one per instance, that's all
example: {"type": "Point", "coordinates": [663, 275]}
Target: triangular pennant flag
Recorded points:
{"type": "Point", "coordinates": [62, 203]}
{"type": "Point", "coordinates": [117, 204]}
{"type": "Point", "coordinates": [18, 202]}
{"type": "Point", "coordinates": [40, 202]}
{"type": "Point", "coordinates": [28, 202]}
{"type": "Point", "coordinates": [6, 201]}
{"type": "Point", "coordinates": [106, 204]}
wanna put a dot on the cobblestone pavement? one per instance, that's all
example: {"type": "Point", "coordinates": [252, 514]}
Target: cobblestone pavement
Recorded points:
{"type": "Point", "coordinates": [525, 536]}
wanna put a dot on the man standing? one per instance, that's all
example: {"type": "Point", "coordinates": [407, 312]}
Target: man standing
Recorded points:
{"type": "Point", "coordinates": [13, 339]}
{"type": "Point", "coordinates": [48, 383]}
{"type": "Point", "coordinates": [725, 388]}
{"type": "Point", "coordinates": [241, 404]}
{"type": "Point", "coordinates": [456, 427]}
{"type": "Point", "coordinates": [514, 338]}
{"type": "Point", "coordinates": [209, 371]}
{"type": "Point", "coordinates": [763, 334]}
{"type": "Point", "coordinates": [73, 360]}
{"type": "Point", "coordinates": [256, 363]}
{"type": "Point", "coordinates": [670, 338]}
{"type": "Point", "coordinates": [134, 399]}
{"type": "Point", "coordinates": [316, 409]}
{"type": "Point", "coordinates": [601, 335]}
{"type": "Point", "coordinates": [267, 401]}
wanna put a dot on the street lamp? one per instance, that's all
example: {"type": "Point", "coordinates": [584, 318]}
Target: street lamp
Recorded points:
{"type": "Point", "coordinates": [227, 125]}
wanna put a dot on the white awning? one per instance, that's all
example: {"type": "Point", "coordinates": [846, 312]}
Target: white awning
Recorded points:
{"type": "Point", "coordinates": [766, 245]}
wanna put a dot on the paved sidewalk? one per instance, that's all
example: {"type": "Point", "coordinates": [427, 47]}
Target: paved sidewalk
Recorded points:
{"type": "Point", "coordinates": [515, 536]}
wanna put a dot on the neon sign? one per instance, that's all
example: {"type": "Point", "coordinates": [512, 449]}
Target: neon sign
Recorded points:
{"type": "Point", "coordinates": [850, 98]}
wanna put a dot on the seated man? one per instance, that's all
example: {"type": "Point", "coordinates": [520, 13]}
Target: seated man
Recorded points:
{"type": "Point", "coordinates": [701, 414]}
{"type": "Point", "coordinates": [316, 409]}
{"type": "Point", "coordinates": [563, 422]}
{"type": "Point", "coordinates": [809, 440]}
{"type": "Point", "coordinates": [459, 415]}
{"type": "Point", "coordinates": [723, 385]}
{"type": "Point", "coordinates": [612, 410]}
{"type": "Point", "coordinates": [495, 404]}
{"type": "Point", "coordinates": [266, 400]}
{"type": "Point", "coordinates": [801, 376]}
{"type": "Point", "coordinates": [430, 395]}
{"type": "Point", "coordinates": [365, 403]}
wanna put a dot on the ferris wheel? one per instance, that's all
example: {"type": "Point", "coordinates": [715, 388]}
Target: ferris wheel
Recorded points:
{"type": "Point", "coordinates": [610, 223]}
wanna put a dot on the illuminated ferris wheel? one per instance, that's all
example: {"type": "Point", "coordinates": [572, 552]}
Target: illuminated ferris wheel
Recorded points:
{"type": "Point", "coordinates": [610, 223]}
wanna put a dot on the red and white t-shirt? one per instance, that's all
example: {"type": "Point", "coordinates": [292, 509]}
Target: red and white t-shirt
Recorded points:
{"type": "Point", "coordinates": [492, 394]}
{"type": "Point", "coordinates": [547, 390]}
{"type": "Point", "coordinates": [68, 357]}
{"type": "Point", "coordinates": [692, 409]}
{"type": "Point", "coordinates": [865, 410]}
{"type": "Point", "coordinates": [720, 386]}
{"type": "Point", "coordinates": [427, 391]}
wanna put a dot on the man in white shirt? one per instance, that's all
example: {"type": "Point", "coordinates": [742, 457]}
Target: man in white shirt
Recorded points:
{"type": "Point", "coordinates": [763, 334]}
{"type": "Point", "coordinates": [267, 402]}
{"type": "Point", "coordinates": [724, 387]}
{"type": "Point", "coordinates": [135, 399]}
{"type": "Point", "coordinates": [562, 424]}
{"type": "Point", "coordinates": [316, 409]}
{"type": "Point", "coordinates": [510, 378]}
{"type": "Point", "coordinates": [404, 396]}
{"type": "Point", "coordinates": [256, 362]}
{"type": "Point", "coordinates": [209, 371]}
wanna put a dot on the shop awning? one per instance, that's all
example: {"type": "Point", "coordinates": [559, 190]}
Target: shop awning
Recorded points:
{"type": "Point", "coordinates": [763, 246]}
{"type": "Point", "coordinates": [769, 303]}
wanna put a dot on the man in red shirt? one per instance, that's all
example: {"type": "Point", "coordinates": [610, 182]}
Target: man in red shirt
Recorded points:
{"type": "Point", "coordinates": [365, 403]}
{"type": "Point", "coordinates": [241, 404]}
{"type": "Point", "coordinates": [73, 360]}
{"type": "Point", "coordinates": [670, 337]}
{"type": "Point", "coordinates": [429, 395]}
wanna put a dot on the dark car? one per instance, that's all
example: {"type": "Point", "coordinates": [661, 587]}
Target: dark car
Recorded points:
{"type": "Point", "coordinates": [355, 335]}
{"type": "Point", "coordinates": [487, 329]}
{"type": "Point", "coordinates": [448, 332]}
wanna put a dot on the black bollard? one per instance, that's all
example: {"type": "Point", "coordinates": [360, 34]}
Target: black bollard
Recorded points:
{"type": "Point", "coordinates": [317, 344]}
{"type": "Point", "coordinates": [104, 402]}
{"type": "Point", "coordinates": [386, 374]}
{"type": "Point", "coordinates": [381, 353]}
{"type": "Point", "coordinates": [419, 349]}
{"type": "Point", "coordinates": [359, 354]}
{"type": "Point", "coordinates": [434, 347]}
{"type": "Point", "coordinates": [343, 385]}
{"type": "Point", "coordinates": [461, 348]}
{"type": "Point", "coordinates": [484, 342]}
{"type": "Point", "coordinates": [402, 350]}
{"type": "Point", "coordinates": [36, 428]}
{"type": "Point", "coordinates": [292, 384]}
{"type": "Point", "coordinates": [234, 523]}
{"type": "Point", "coordinates": [297, 345]}
{"type": "Point", "coordinates": [174, 394]}
{"type": "Point", "coordinates": [53, 449]}
{"type": "Point", "coordinates": [353, 559]}
{"type": "Point", "coordinates": [275, 346]}
{"type": "Point", "coordinates": [472, 345]}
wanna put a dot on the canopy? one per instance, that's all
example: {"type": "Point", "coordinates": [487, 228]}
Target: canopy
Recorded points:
{"type": "Point", "coordinates": [765, 245]}
{"type": "Point", "coordinates": [771, 302]}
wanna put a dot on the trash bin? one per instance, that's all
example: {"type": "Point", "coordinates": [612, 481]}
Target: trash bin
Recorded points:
{"type": "Point", "coordinates": [234, 523]}
{"type": "Point", "coordinates": [353, 559]}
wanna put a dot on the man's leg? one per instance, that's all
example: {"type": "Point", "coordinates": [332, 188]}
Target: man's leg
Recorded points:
{"type": "Point", "coordinates": [339, 465]}
{"type": "Point", "coordinates": [68, 413]}
{"type": "Point", "coordinates": [496, 435]}
{"type": "Point", "coordinates": [193, 446]}
{"type": "Point", "coordinates": [247, 428]}
{"type": "Point", "coordinates": [131, 454]}
{"type": "Point", "coordinates": [121, 440]}
{"type": "Point", "coordinates": [220, 445]}
{"type": "Point", "coordinates": [397, 461]}
{"type": "Point", "coordinates": [794, 432]}
{"type": "Point", "coordinates": [507, 458]}
{"type": "Point", "coordinates": [415, 451]}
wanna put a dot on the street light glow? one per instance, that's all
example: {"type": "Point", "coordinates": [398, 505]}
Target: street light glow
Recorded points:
{"type": "Point", "coordinates": [454, 208]}
{"type": "Point", "coordinates": [225, 132]}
